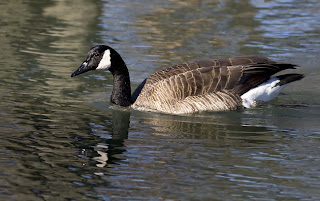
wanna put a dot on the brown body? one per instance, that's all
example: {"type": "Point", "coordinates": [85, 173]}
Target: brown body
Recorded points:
{"type": "Point", "coordinates": [207, 85]}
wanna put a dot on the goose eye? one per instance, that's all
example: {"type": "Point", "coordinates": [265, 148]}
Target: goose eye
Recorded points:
{"type": "Point", "coordinates": [96, 54]}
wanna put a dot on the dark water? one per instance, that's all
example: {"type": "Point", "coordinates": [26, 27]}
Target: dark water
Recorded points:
{"type": "Point", "coordinates": [61, 140]}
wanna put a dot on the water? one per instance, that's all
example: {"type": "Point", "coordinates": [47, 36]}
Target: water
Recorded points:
{"type": "Point", "coordinates": [61, 139]}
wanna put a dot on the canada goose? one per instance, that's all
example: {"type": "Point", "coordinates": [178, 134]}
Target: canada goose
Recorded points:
{"type": "Point", "coordinates": [204, 85]}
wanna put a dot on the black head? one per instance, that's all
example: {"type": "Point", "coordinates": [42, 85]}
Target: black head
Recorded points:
{"type": "Point", "coordinates": [100, 57]}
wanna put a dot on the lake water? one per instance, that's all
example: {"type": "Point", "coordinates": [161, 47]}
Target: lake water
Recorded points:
{"type": "Point", "coordinates": [60, 138]}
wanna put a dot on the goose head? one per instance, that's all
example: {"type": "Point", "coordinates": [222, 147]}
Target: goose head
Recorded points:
{"type": "Point", "coordinates": [102, 57]}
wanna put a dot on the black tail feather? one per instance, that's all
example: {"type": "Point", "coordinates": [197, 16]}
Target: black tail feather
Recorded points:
{"type": "Point", "coordinates": [287, 78]}
{"type": "Point", "coordinates": [255, 74]}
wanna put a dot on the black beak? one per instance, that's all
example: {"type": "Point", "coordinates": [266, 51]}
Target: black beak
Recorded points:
{"type": "Point", "coordinates": [82, 69]}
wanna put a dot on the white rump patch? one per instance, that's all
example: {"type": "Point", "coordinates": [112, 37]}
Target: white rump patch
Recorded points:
{"type": "Point", "coordinates": [105, 62]}
{"type": "Point", "coordinates": [263, 92]}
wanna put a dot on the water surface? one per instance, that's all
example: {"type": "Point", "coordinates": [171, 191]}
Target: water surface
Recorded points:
{"type": "Point", "coordinates": [61, 139]}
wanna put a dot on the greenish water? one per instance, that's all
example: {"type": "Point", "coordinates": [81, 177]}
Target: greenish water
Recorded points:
{"type": "Point", "coordinates": [60, 139]}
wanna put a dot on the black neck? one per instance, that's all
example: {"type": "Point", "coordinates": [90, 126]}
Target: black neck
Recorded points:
{"type": "Point", "coordinates": [121, 93]}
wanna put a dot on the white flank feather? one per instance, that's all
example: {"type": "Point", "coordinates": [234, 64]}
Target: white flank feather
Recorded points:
{"type": "Point", "coordinates": [263, 92]}
{"type": "Point", "coordinates": [105, 62]}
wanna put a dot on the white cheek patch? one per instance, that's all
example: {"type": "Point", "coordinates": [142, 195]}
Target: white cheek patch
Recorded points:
{"type": "Point", "coordinates": [105, 62]}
